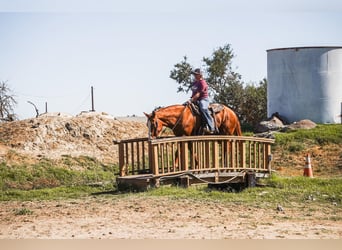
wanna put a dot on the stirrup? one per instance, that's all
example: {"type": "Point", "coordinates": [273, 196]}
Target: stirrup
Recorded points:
{"type": "Point", "coordinates": [208, 131]}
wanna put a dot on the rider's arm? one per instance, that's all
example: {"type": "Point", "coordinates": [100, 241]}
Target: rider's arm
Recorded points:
{"type": "Point", "coordinates": [195, 96]}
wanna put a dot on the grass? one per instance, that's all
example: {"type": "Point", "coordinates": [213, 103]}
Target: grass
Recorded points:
{"type": "Point", "coordinates": [57, 193]}
{"type": "Point", "coordinates": [48, 180]}
{"type": "Point", "coordinates": [321, 135]}
{"type": "Point", "coordinates": [277, 190]}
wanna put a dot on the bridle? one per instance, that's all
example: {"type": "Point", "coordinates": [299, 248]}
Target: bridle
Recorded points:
{"type": "Point", "coordinates": [179, 118]}
{"type": "Point", "coordinates": [149, 124]}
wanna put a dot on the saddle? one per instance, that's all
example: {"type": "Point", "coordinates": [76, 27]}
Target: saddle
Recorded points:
{"type": "Point", "coordinates": [213, 109]}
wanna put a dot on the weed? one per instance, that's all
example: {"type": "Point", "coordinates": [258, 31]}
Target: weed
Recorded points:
{"type": "Point", "coordinates": [295, 147]}
{"type": "Point", "coordinates": [23, 211]}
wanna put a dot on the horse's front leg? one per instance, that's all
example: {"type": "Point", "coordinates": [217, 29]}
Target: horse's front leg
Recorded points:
{"type": "Point", "coordinates": [193, 156]}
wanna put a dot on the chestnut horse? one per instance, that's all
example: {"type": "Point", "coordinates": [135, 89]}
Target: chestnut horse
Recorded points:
{"type": "Point", "coordinates": [181, 120]}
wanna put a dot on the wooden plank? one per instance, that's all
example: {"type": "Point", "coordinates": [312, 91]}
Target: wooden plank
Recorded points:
{"type": "Point", "coordinates": [173, 152]}
{"type": "Point", "coordinates": [200, 155]}
{"type": "Point", "coordinates": [138, 156]}
{"type": "Point", "coordinates": [222, 154]}
{"type": "Point", "coordinates": [250, 154]}
{"type": "Point", "coordinates": [255, 155]}
{"type": "Point", "coordinates": [161, 154]}
{"type": "Point", "coordinates": [260, 156]}
{"type": "Point", "coordinates": [143, 154]}
{"type": "Point", "coordinates": [211, 138]}
{"type": "Point", "coordinates": [122, 170]}
{"type": "Point", "coordinates": [127, 156]}
{"type": "Point", "coordinates": [150, 156]}
{"type": "Point", "coordinates": [215, 155]}
{"type": "Point", "coordinates": [233, 155]}
{"type": "Point", "coordinates": [193, 154]}
{"type": "Point", "coordinates": [268, 157]}
{"type": "Point", "coordinates": [155, 157]}
{"type": "Point", "coordinates": [184, 156]}
{"type": "Point", "coordinates": [132, 156]}
{"type": "Point", "coordinates": [167, 157]}
{"type": "Point", "coordinates": [207, 154]}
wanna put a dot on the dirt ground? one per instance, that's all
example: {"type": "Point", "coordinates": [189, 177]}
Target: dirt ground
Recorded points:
{"type": "Point", "coordinates": [132, 217]}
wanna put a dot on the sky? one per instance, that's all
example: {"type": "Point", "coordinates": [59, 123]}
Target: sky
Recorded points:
{"type": "Point", "coordinates": [54, 51]}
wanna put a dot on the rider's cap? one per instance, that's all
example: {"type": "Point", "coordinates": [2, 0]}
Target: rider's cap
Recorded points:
{"type": "Point", "coordinates": [196, 72]}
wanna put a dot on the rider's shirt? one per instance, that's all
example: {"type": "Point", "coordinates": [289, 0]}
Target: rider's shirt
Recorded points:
{"type": "Point", "coordinates": [200, 86]}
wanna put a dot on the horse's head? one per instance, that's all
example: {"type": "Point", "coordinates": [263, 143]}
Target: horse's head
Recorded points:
{"type": "Point", "coordinates": [155, 125]}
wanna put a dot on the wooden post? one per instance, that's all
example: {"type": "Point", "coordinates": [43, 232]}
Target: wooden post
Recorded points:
{"type": "Point", "coordinates": [207, 154]}
{"type": "Point", "coordinates": [255, 161]}
{"type": "Point", "coordinates": [162, 160]}
{"type": "Point", "coordinates": [132, 157]}
{"type": "Point", "coordinates": [92, 99]}
{"type": "Point", "coordinates": [184, 156]}
{"type": "Point", "coordinates": [243, 154]}
{"type": "Point", "coordinates": [233, 154]}
{"type": "Point", "coordinates": [138, 155]}
{"type": "Point", "coordinates": [143, 154]}
{"type": "Point", "coordinates": [155, 163]}
{"type": "Point", "coordinates": [269, 157]}
{"type": "Point", "coordinates": [122, 159]}
{"type": "Point", "coordinates": [215, 155]}
{"type": "Point", "coordinates": [167, 157]}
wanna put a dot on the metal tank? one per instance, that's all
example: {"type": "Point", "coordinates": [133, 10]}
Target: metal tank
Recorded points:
{"type": "Point", "coordinates": [305, 83]}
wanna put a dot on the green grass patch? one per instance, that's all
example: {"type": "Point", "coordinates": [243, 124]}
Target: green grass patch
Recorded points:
{"type": "Point", "coordinates": [48, 180]}
{"type": "Point", "coordinates": [321, 135]}
{"type": "Point", "coordinates": [58, 193]}
{"type": "Point", "coordinates": [47, 175]}
{"type": "Point", "coordinates": [277, 190]}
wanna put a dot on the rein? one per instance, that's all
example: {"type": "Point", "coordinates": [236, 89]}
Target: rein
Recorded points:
{"type": "Point", "coordinates": [179, 118]}
{"type": "Point", "coordinates": [177, 122]}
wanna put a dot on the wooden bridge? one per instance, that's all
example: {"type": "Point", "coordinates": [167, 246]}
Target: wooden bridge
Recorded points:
{"type": "Point", "coordinates": [193, 159]}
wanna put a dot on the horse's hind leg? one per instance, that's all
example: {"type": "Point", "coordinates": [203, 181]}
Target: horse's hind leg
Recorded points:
{"type": "Point", "coordinates": [176, 161]}
{"type": "Point", "coordinates": [193, 156]}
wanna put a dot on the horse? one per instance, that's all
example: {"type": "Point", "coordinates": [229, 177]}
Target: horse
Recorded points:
{"type": "Point", "coordinates": [182, 121]}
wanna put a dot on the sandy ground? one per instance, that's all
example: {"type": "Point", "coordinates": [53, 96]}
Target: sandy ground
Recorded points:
{"type": "Point", "coordinates": [132, 217]}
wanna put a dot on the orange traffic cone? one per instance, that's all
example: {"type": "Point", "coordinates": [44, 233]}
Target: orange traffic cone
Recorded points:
{"type": "Point", "coordinates": [307, 168]}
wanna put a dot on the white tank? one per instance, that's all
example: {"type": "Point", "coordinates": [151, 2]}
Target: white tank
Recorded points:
{"type": "Point", "coordinates": [305, 83]}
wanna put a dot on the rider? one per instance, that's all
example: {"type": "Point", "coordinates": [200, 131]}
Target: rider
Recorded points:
{"type": "Point", "coordinates": [200, 95]}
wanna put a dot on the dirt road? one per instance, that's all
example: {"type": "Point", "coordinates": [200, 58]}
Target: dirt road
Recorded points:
{"type": "Point", "coordinates": [132, 217]}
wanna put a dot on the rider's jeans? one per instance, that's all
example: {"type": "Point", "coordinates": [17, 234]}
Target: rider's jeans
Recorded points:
{"type": "Point", "coordinates": [203, 105]}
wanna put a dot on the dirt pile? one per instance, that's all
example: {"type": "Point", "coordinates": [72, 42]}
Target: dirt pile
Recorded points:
{"type": "Point", "coordinates": [55, 134]}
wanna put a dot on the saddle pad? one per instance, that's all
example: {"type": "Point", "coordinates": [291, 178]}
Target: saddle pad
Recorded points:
{"type": "Point", "coordinates": [216, 107]}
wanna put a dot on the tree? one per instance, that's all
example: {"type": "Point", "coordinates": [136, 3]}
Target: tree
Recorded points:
{"type": "Point", "coordinates": [7, 102]}
{"type": "Point", "coordinates": [182, 75]}
{"type": "Point", "coordinates": [254, 105]}
{"type": "Point", "coordinates": [225, 85]}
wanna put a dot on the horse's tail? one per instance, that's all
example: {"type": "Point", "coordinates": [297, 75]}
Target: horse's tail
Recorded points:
{"type": "Point", "coordinates": [230, 117]}
{"type": "Point", "coordinates": [238, 127]}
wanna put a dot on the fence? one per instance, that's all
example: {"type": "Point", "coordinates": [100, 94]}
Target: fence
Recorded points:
{"type": "Point", "coordinates": [195, 154]}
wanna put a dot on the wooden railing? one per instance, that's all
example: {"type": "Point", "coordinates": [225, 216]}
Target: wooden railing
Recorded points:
{"type": "Point", "coordinates": [195, 154]}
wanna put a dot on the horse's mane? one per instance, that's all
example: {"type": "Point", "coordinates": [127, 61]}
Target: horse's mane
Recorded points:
{"type": "Point", "coordinates": [170, 106]}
